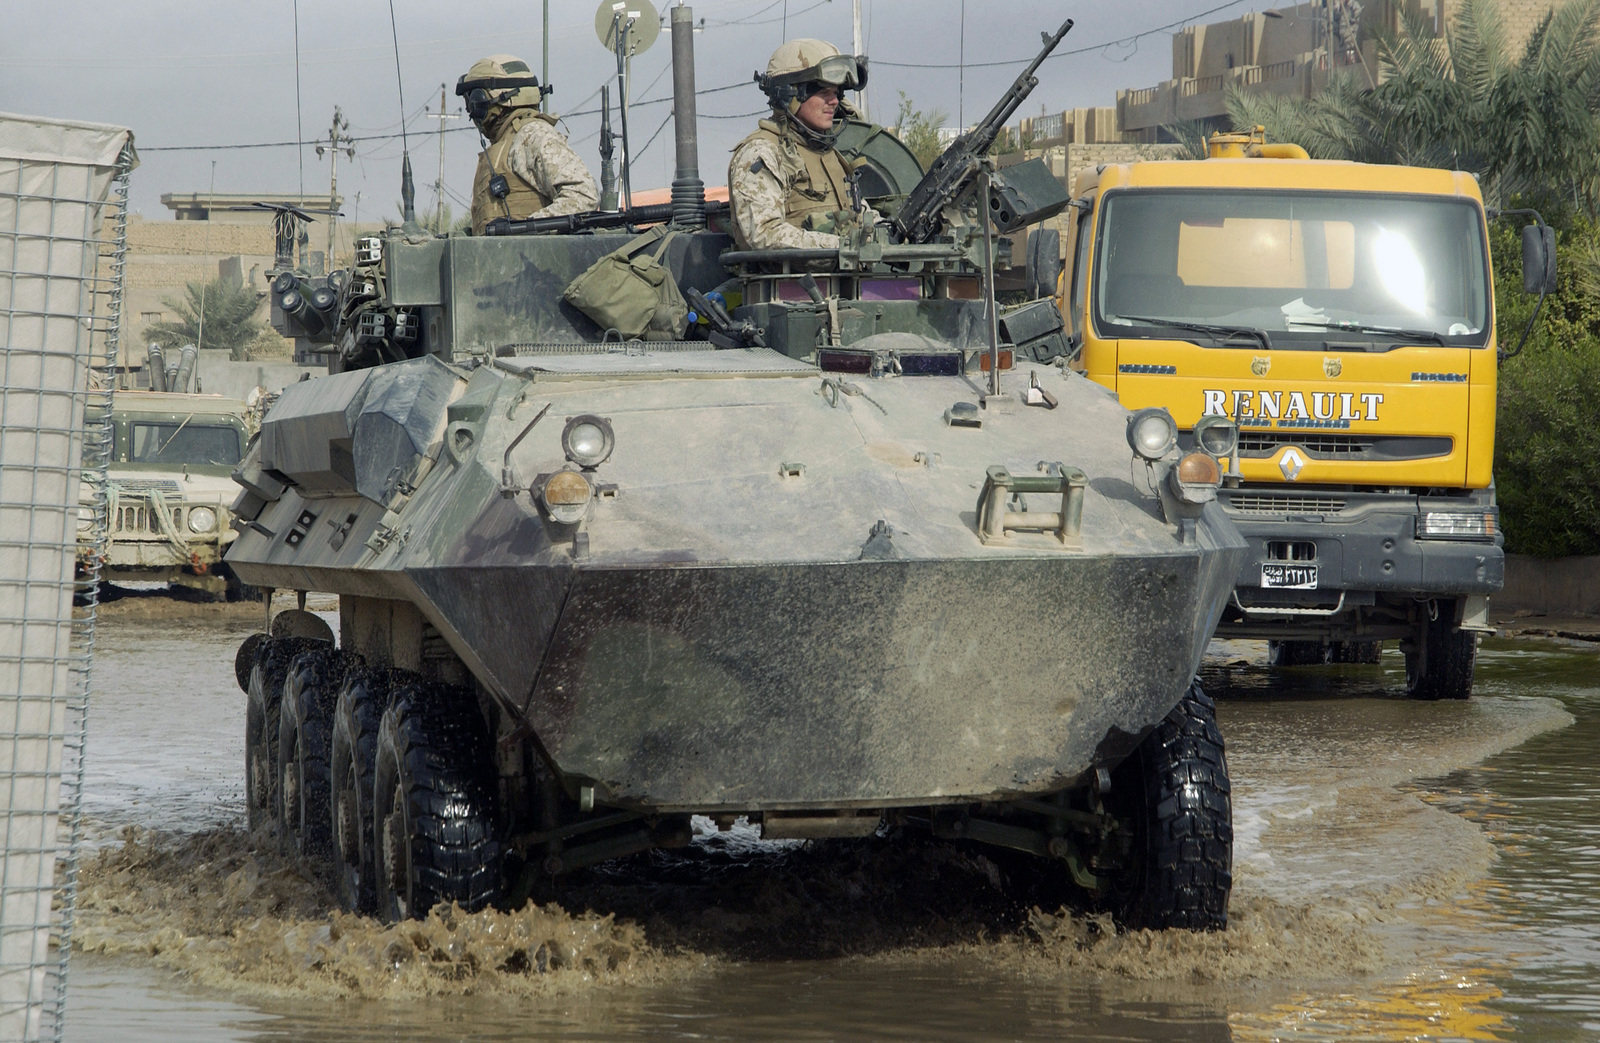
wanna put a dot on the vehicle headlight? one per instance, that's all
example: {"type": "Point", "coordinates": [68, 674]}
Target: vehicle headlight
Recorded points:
{"type": "Point", "coordinates": [85, 519]}
{"type": "Point", "coordinates": [1217, 435]}
{"type": "Point", "coordinates": [587, 440]}
{"type": "Point", "coordinates": [1457, 525]}
{"type": "Point", "coordinates": [566, 495]}
{"type": "Point", "coordinates": [1151, 432]}
{"type": "Point", "coordinates": [202, 519]}
{"type": "Point", "coordinates": [1196, 477]}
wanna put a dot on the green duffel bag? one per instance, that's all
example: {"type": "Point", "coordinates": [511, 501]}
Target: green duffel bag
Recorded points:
{"type": "Point", "coordinates": [632, 292]}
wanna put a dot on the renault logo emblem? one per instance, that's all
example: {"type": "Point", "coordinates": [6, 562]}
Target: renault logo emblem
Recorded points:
{"type": "Point", "coordinates": [1332, 367]}
{"type": "Point", "coordinates": [1260, 364]}
{"type": "Point", "coordinates": [1291, 464]}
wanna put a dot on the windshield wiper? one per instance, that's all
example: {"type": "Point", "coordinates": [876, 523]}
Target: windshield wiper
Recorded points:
{"type": "Point", "coordinates": [1399, 333]}
{"type": "Point", "coordinates": [1206, 327]}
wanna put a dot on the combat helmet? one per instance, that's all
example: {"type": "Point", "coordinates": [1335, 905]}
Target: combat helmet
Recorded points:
{"type": "Point", "coordinates": [499, 81]}
{"type": "Point", "coordinates": [800, 68]}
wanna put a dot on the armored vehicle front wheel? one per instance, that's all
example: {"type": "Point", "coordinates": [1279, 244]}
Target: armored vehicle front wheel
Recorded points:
{"type": "Point", "coordinates": [263, 710]}
{"type": "Point", "coordinates": [304, 726]}
{"type": "Point", "coordinates": [434, 804]}
{"type": "Point", "coordinates": [1173, 792]}
{"type": "Point", "coordinates": [357, 712]}
{"type": "Point", "coordinates": [1441, 659]}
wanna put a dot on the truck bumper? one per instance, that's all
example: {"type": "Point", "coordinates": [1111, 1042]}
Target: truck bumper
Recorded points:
{"type": "Point", "coordinates": [1363, 547]}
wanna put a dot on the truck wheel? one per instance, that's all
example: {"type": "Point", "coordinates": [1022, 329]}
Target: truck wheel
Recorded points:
{"type": "Point", "coordinates": [357, 711]}
{"type": "Point", "coordinates": [304, 737]}
{"type": "Point", "coordinates": [1440, 663]}
{"type": "Point", "coordinates": [433, 804]}
{"type": "Point", "coordinates": [1354, 652]}
{"type": "Point", "coordinates": [263, 708]}
{"type": "Point", "coordinates": [1173, 794]}
{"type": "Point", "coordinates": [1296, 653]}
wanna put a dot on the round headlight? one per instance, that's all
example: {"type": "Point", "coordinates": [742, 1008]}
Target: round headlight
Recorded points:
{"type": "Point", "coordinates": [566, 495]}
{"type": "Point", "coordinates": [587, 440]}
{"type": "Point", "coordinates": [1199, 469]}
{"type": "Point", "coordinates": [202, 519]}
{"type": "Point", "coordinates": [1217, 435]}
{"type": "Point", "coordinates": [85, 518]}
{"type": "Point", "coordinates": [1151, 432]}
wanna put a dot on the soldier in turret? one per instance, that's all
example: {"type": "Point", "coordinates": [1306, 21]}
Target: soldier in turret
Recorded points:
{"type": "Point", "coordinates": [528, 170]}
{"type": "Point", "coordinates": [788, 185]}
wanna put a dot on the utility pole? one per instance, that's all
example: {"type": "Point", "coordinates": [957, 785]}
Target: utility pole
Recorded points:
{"type": "Point", "coordinates": [438, 186]}
{"type": "Point", "coordinates": [338, 140]}
{"type": "Point", "coordinates": [544, 68]}
{"type": "Point", "coordinates": [861, 95]}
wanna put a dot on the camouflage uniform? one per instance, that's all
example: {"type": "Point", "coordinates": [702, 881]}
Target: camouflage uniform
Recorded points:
{"type": "Point", "coordinates": [546, 178]}
{"type": "Point", "coordinates": [777, 184]}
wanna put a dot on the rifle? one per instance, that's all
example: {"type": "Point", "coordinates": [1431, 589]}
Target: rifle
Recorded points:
{"type": "Point", "coordinates": [592, 219]}
{"type": "Point", "coordinates": [918, 220]}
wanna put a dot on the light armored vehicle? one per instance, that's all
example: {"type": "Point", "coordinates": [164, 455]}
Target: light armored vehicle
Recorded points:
{"type": "Point", "coordinates": [853, 557]}
{"type": "Point", "coordinates": [168, 490]}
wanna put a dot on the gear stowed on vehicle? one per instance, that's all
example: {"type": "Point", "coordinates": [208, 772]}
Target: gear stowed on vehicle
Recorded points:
{"type": "Point", "coordinates": [855, 552]}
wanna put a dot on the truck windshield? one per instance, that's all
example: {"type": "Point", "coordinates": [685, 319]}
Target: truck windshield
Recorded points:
{"type": "Point", "coordinates": [1306, 267]}
{"type": "Point", "coordinates": [192, 441]}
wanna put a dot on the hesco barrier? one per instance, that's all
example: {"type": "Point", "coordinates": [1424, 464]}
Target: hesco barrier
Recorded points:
{"type": "Point", "coordinates": [63, 226]}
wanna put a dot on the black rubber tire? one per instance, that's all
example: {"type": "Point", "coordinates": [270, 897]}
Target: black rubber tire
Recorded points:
{"type": "Point", "coordinates": [434, 796]}
{"type": "Point", "coordinates": [1173, 792]}
{"type": "Point", "coordinates": [305, 726]}
{"type": "Point", "coordinates": [357, 713]}
{"type": "Point", "coordinates": [263, 709]}
{"type": "Point", "coordinates": [1440, 665]}
{"type": "Point", "coordinates": [1296, 653]}
{"type": "Point", "coordinates": [1360, 652]}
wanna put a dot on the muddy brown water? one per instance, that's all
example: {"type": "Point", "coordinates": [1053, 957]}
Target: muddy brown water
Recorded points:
{"type": "Point", "coordinates": [1403, 871]}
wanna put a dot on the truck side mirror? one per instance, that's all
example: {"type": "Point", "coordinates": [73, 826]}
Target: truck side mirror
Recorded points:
{"type": "Point", "coordinates": [1538, 259]}
{"type": "Point", "coordinates": [1043, 269]}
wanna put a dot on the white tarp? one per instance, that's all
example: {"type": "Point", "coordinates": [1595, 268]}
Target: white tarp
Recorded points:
{"type": "Point", "coordinates": [54, 179]}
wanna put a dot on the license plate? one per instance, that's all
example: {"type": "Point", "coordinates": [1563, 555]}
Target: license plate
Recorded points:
{"type": "Point", "coordinates": [1288, 577]}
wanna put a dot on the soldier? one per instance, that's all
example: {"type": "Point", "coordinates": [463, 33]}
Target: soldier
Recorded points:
{"type": "Point", "coordinates": [528, 170]}
{"type": "Point", "coordinates": [788, 185]}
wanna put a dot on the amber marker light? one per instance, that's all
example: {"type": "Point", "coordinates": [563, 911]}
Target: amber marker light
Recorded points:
{"type": "Point", "coordinates": [566, 495]}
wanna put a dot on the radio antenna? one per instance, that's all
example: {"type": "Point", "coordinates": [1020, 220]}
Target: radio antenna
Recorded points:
{"type": "Point", "coordinates": [408, 188]}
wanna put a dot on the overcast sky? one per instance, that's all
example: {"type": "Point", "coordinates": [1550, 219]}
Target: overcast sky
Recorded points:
{"type": "Point", "coordinates": [221, 74]}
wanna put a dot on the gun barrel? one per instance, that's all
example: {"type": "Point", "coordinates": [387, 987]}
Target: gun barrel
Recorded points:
{"type": "Point", "coordinates": [592, 219]}
{"type": "Point", "coordinates": [1022, 86]}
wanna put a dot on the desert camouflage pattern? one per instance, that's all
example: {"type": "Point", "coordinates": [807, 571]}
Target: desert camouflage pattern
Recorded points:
{"type": "Point", "coordinates": [767, 208]}
{"type": "Point", "coordinates": [554, 180]}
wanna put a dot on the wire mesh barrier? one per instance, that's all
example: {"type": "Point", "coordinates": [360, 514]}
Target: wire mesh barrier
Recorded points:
{"type": "Point", "coordinates": [63, 214]}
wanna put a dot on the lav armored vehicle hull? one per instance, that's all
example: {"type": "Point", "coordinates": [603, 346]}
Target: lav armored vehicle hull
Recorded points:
{"type": "Point", "coordinates": [829, 578]}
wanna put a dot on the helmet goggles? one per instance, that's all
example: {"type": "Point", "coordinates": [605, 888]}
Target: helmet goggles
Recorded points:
{"type": "Point", "coordinates": [840, 71]}
{"type": "Point", "coordinates": [482, 92]}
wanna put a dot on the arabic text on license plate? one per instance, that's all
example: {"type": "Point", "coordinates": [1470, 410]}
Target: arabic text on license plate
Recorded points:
{"type": "Point", "coordinates": [1293, 577]}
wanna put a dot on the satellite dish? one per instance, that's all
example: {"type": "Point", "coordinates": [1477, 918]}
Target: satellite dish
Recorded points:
{"type": "Point", "coordinates": [639, 24]}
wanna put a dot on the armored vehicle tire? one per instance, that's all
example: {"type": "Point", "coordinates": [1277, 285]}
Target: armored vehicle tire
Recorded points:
{"type": "Point", "coordinates": [1440, 663]}
{"type": "Point", "coordinates": [433, 804]}
{"type": "Point", "coordinates": [357, 712]}
{"type": "Point", "coordinates": [1174, 793]}
{"type": "Point", "coordinates": [1296, 653]}
{"type": "Point", "coordinates": [263, 709]}
{"type": "Point", "coordinates": [1354, 652]}
{"type": "Point", "coordinates": [305, 724]}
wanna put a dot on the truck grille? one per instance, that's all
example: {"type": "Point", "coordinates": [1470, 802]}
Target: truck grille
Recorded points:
{"type": "Point", "coordinates": [1268, 503]}
{"type": "Point", "coordinates": [165, 486]}
{"type": "Point", "coordinates": [139, 519]}
{"type": "Point", "coordinates": [1264, 444]}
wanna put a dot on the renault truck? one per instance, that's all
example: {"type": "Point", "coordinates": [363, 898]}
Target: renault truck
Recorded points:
{"type": "Point", "coordinates": [1342, 315]}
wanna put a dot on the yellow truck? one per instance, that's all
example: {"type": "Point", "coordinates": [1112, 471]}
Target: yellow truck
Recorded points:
{"type": "Point", "coordinates": [1342, 314]}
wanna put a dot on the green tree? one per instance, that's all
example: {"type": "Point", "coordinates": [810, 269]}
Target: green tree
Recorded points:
{"type": "Point", "coordinates": [1523, 126]}
{"type": "Point", "coordinates": [229, 311]}
{"type": "Point", "coordinates": [920, 130]}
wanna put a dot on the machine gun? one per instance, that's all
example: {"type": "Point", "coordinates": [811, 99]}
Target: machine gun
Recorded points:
{"type": "Point", "coordinates": [593, 219]}
{"type": "Point", "coordinates": [953, 172]}
{"type": "Point", "coordinates": [726, 331]}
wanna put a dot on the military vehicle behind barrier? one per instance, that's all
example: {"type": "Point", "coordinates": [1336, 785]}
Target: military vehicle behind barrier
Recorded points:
{"type": "Point", "coordinates": [168, 485]}
{"type": "Point", "coordinates": [855, 555]}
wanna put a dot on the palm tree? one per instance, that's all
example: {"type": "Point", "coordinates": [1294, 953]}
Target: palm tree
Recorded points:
{"type": "Point", "coordinates": [1522, 126]}
{"type": "Point", "coordinates": [229, 311]}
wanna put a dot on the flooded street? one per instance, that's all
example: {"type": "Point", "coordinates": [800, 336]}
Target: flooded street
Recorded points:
{"type": "Point", "coordinates": [1402, 871]}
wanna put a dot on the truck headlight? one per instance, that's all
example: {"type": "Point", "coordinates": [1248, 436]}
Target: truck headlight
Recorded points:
{"type": "Point", "coordinates": [566, 495]}
{"type": "Point", "coordinates": [85, 518]}
{"type": "Point", "coordinates": [1151, 432]}
{"type": "Point", "coordinates": [1217, 435]}
{"type": "Point", "coordinates": [1457, 525]}
{"type": "Point", "coordinates": [202, 519]}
